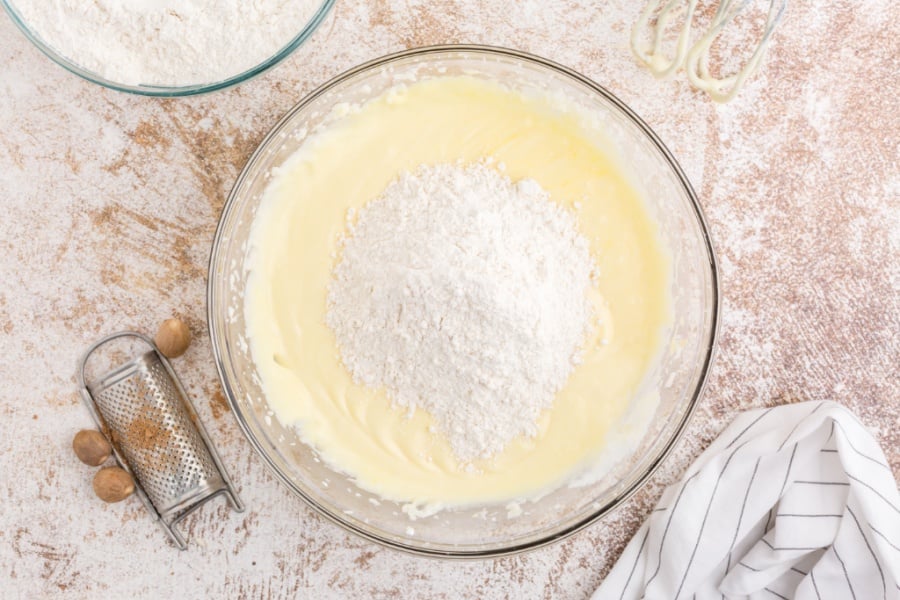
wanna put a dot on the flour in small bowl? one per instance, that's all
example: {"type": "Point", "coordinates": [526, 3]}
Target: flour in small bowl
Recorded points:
{"type": "Point", "coordinates": [166, 42]}
{"type": "Point", "coordinates": [465, 294]}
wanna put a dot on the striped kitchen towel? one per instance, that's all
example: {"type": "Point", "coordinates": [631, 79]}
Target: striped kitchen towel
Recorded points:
{"type": "Point", "coordinates": [795, 501]}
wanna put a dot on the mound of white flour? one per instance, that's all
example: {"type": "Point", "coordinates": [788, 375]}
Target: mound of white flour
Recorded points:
{"type": "Point", "coordinates": [465, 294]}
{"type": "Point", "coordinates": [166, 42]}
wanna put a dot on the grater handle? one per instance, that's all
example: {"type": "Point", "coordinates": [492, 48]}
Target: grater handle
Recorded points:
{"type": "Point", "coordinates": [82, 364]}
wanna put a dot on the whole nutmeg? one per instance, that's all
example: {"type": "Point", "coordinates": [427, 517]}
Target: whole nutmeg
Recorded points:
{"type": "Point", "coordinates": [173, 338]}
{"type": "Point", "coordinates": [113, 484]}
{"type": "Point", "coordinates": [91, 447]}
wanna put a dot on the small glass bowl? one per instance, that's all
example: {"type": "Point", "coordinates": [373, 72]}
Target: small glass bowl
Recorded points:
{"type": "Point", "coordinates": [170, 91]}
{"type": "Point", "coordinates": [686, 352]}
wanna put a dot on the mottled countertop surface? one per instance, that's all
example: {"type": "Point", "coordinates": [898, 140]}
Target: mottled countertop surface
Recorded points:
{"type": "Point", "coordinates": [110, 202]}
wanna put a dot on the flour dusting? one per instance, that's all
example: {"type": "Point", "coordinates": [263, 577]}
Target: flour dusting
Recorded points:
{"type": "Point", "coordinates": [466, 294]}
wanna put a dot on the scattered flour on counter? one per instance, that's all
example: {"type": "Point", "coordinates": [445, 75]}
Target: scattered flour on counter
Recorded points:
{"type": "Point", "coordinates": [465, 294]}
{"type": "Point", "coordinates": [166, 42]}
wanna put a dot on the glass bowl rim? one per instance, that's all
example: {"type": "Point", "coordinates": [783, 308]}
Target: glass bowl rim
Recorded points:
{"type": "Point", "coordinates": [711, 345]}
{"type": "Point", "coordinates": [163, 91]}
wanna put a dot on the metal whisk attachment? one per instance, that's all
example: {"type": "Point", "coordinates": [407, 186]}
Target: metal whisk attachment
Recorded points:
{"type": "Point", "coordinates": [156, 436]}
{"type": "Point", "coordinates": [693, 54]}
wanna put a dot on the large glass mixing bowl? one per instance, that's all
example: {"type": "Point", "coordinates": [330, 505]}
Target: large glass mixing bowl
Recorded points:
{"type": "Point", "coordinates": [678, 377]}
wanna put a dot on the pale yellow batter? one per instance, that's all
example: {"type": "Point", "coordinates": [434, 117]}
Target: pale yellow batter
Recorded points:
{"type": "Point", "coordinates": [294, 246]}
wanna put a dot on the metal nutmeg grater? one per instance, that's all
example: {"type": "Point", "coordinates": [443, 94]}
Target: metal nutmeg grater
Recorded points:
{"type": "Point", "coordinates": [142, 409]}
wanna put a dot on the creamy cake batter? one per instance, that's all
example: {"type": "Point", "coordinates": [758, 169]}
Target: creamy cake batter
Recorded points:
{"type": "Point", "coordinates": [294, 248]}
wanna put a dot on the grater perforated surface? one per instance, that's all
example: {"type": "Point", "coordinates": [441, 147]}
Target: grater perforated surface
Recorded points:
{"type": "Point", "coordinates": [155, 433]}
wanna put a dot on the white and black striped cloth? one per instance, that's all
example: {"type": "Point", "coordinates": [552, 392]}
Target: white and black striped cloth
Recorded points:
{"type": "Point", "coordinates": [795, 501]}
